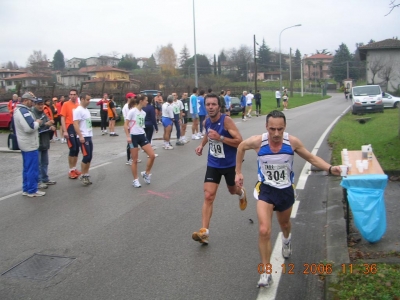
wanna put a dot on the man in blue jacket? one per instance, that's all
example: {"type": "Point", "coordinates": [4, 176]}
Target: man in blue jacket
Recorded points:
{"type": "Point", "coordinates": [26, 128]}
{"type": "Point", "coordinates": [243, 105]}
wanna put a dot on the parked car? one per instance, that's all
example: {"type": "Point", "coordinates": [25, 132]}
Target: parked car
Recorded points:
{"type": "Point", "coordinates": [95, 111]}
{"type": "Point", "coordinates": [5, 118]}
{"type": "Point", "coordinates": [150, 92]}
{"type": "Point", "coordinates": [235, 106]}
{"type": "Point", "coordinates": [366, 98]}
{"type": "Point", "coordinates": [390, 100]}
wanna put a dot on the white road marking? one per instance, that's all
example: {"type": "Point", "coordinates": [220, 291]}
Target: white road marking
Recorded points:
{"type": "Point", "coordinates": [276, 261]}
{"type": "Point", "coordinates": [276, 257]}
{"type": "Point", "coordinates": [18, 193]}
{"type": "Point", "coordinates": [9, 196]}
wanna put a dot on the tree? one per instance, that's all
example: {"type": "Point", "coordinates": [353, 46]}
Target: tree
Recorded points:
{"type": "Point", "coordinates": [309, 64]}
{"type": "Point", "coordinates": [239, 59]}
{"type": "Point", "coordinates": [203, 65]}
{"type": "Point", "coordinates": [10, 65]}
{"type": "Point", "coordinates": [82, 64]}
{"type": "Point", "coordinates": [58, 61]}
{"type": "Point", "coordinates": [323, 51]}
{"type": "Point", "coordinates": [166, 58]}
{"type": "Point", "coordinates": [297, 65]}
{"type": "Point", "coordinates": [338, 66]}
{"type": "Point", "coordinates": [392, 5]}
{"type": "Point", "coordinates": [215, 66]}
{"type": "Point", "coordinates": [264, 57]}
{"type": "Point", "coordinates": [184, 55]}
{"type": "Point", "coordinates": [389, 72]}
{"type": "Point", "coordinates": [128, 62]}
{"type": "Point", "coordinates": [151, 63]}
{"type": "Point", "coordinates": [37, 63]}
{"type": "Point", "coordinates": [222, 56]}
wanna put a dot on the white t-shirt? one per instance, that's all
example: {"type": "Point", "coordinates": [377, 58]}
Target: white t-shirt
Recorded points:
{"type": "Point", "coordinates": [167, 110]}
{"type": "Point", "coordinates": [85, 122]}
{"type": "Point", "coordinates": [277, 94]}
{"type": "Point", "coordinates": [177, 107]}
{"type": "Point", "coordinates": [125, 110]}
{"type": "Point", "coordinates": [249, 98]}
{"type": "Point", "coordinates": [136, 121]}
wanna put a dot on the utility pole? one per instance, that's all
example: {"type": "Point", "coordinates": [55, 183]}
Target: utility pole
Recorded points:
{"type": "Point", "coordinates": [290, 73]}
{"type": "Point", "coordinates": [302, 78]}
{"type": "Point", "coordinates": [255, 66]}
{"type": "Point", "coordinates": [347, 69]}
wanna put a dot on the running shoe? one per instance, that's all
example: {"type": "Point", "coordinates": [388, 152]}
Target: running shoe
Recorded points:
{"type": "Point", "coordinates": [24, 193]}
{"type": "Point", "coordinates": [286, 250]}
{"type": "Point", "coordinates": [146, 177]}
{"type": "Point", "coordinates": [129, 162]}
{"type": "Point", "coordinates": [136, 183]}
{"type": "Point", "coordinates": [179, 143]}
{"type": "Point", "coordinates": [77, 172]}
{"type": "Point", "coordinates": [139, 160]}
{"type": "Point", "coordinates": [115, 134]}
{"type": "Point", "coordinates": [85, 180]}
{"type": "Point", "coordinates": [168, 147]}
{"type": "Point", "coordinates": [201, 236]}
{"type": "Point", "coordinates": [103, 133]}
{"type": "Point", "coordinates": [195, 137]}
{"type": "Point", "coordinates": [265, 280]}
{"type": "Point", "coordinates": [155, 154]}
{"type": "Point", "coordinates": [37, 194]}
{"type": "Point", "coordinates": [72, 174]}
{"type": "Point", "coordinates": [50, 182]}
{"type": "Point", "coordinates": [42, 186]}
{"type": "Point", "coordinates": [243, 201]}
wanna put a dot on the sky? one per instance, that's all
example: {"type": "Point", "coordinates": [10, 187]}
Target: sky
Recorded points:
{"type": "Point", "coordinates": [85, 28]}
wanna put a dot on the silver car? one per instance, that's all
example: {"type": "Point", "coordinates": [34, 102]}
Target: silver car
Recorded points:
{"type": "Point", "coordinates": [95, 111]}
{"type": "Point", "coordinates": [390, 101]}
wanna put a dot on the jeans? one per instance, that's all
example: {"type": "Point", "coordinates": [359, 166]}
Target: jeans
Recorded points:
{"type": "Point", "coordinates": [258, 107]}
{"type": "Point", "coordinates": [201, 120]}
{"type": "Point", "coordinates": [278, 102]}
{"type": "Point", "coordinates": [30, 171]}
{"type": "Point", "coordinates": [148, 130]}
{"type": "Point", "coordinates": [178, 126]}
{"type": "Point", "coordinates": [43, 165]}
{"type": "Point", "coordinates": [103, 116]}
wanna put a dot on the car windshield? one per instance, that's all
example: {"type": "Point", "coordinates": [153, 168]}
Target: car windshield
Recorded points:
{"type": "Point", "coordinates": [235, 100]}
{"type": "Point", "coordinates": [93, 105]}
{"type": "Point", "coordinates": [366, 90]}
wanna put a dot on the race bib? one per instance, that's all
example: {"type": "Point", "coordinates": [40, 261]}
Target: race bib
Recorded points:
{"type": "Point", "coordinates": [176, 109]}
{"type": "Point", "coordinates": [186, 107]}
{"type": "Point", "coordinates": [275, 174]}
{"type": "Point", "coordinates": [140, 121]}
{"type": "Point", "coordinates": [216, 148]}
{"type": "Point", "coordinates": [89, 124]}
{"type": "Point", "coordinates": [105, 106]}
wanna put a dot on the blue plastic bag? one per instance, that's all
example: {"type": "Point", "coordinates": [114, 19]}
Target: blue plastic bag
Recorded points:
{"type": "Point", "coordinates": [365, 194]}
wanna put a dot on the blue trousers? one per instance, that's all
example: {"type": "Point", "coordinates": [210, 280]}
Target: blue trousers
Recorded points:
{"type": "Point", "coordinates": [30, 171]}
{"type": "Point", "coordinates": [202, 118]}
{"type": "Point", "coordinates": [43, 165]}
{"type": "Point", "coordinates": [178, 126]}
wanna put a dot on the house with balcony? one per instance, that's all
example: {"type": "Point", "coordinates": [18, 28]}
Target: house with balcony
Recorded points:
{"type": "Point", "coordinates": [316, 66]}
{"type": "Point", "coordinates": [7, 73]}
{"type": "Point", "coordinates": [28, 81]}
{"type": "Point", "coordinates": [382, 63]}
{"type": "Point", "coordinates": [102, 61]}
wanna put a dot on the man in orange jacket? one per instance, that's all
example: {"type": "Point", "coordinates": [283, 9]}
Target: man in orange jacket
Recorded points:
{"type": "Point", "coordinates": [12, 104]}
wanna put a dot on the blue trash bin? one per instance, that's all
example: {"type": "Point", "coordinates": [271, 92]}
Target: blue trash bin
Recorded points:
{"type": "Point", "coordinates": [365, 194]}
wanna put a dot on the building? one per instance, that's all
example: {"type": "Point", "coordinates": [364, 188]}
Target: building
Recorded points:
{"type": "Point", "coordinates": [102, 61]}
{"type": "Point", "coordinates": [382, 63]}
{"type": "Point", "coordinates": [73, 63]}
{"type": "Point", "coordinates": [7, 73]}
{"type": "Point", "coordinates": [27, 81]}
{"type": "Point", "coordinates": [316, 66]}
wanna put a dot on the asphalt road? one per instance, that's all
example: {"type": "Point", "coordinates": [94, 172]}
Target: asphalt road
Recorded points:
{"type": "Point", "coordinates": [136, 243]}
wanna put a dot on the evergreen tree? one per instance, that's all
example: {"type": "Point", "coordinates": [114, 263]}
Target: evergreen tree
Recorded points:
{"type": "Point", "coordinates": [297, 65]}
{"type": "Point", "coordinates": [151, 62]}
{"type": "Point", "coordinates": [264, 57]}
{"type": "Point", "coordinates": [219, 65]}
{"type": "Point", "coordinates": [82, 64]}
{"type": "Point", "coordinates": [215, 66]}
{"type": "Point", "coordinates": [203, 64]}
{"type": "Point", "coordinates": [184, 55]}
{"type": "Point", "coordinates": [128, 62]}
{"type": "Point", "coordinates": [58, 61]}
{"type": "Point", "coordinates": [338, 66]}
{"type": "Point", "coordinates": [222, 56]}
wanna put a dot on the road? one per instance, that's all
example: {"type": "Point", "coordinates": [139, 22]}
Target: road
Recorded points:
{"type": "Point", "coordinates": [136, 243]}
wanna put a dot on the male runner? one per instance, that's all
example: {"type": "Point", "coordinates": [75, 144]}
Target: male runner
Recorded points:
{"type": "Point", "coordinates": [177, 107]}
{"type": "Point", "coordinates": [223, 138]}
{"type": "Point", "coordinates": [249, 103]}
{"type": "Point", "coordinates": [275, 150]}
{"type": "Point", "coordinates": [194, 110]}
{"type": "Point", "coordinates": [83, 128]}
{"type": "Point", "coordinates": [69, 132]}
{"type": "Point", "coordinates": [228, 102]}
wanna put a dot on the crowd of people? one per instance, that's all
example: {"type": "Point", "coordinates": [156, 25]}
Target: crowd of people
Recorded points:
{"type": "Point", "coordinates": [211, 125]}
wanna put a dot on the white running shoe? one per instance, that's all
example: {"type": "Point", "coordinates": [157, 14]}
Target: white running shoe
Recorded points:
{"type": "Point", "coordinates": [136, 183]}
{"type": "Point", "coordinates": [37, 194]}
{"type": "Point", "coordinates": [146, 177]}
{"type": "Point", "coordinates": [155, 154]}
{"type": "Point", "coordinates": [286, 250]}
{"type": "Point", "coordinates": [129, 162]}
{"type": "Point", "coordinates": [195, 137]}
{"type": "Point", "coordinates": [168, 147]}
{"type": "Point", "coordinates": [265, 280]}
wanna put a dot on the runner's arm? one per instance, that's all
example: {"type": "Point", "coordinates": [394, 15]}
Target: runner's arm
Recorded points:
{"type": "Point", "coordinates": [253, 142]}
{"type": "Point", "coordinates": [230, 126]}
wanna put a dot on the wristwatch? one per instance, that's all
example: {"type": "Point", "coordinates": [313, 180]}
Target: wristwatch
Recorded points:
{"type": "Point", "coordinates": [221, 138]}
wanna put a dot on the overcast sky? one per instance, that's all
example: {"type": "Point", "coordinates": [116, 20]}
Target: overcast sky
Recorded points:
{"type": "Point", "coordinates": [85, 28]}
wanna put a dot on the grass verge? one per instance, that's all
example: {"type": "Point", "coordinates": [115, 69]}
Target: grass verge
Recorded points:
{"type": "Point", "coordinates": [381, 131]}
{"type": "Point", "coordinates": [367, 281]}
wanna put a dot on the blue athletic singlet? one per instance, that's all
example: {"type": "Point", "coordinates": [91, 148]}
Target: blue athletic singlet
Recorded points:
{"type": "Point", "coordinates": [276, 169]}
{"type": "Point", "coordinates": [220, 155]}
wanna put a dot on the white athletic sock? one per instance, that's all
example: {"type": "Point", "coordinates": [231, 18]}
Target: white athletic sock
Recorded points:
{"type": "Point", "coordinates": [207, 231]}
{"type": "Point", "coordinates": [242, 195]}
{"type": "Point", "coordinates": [286, 240]}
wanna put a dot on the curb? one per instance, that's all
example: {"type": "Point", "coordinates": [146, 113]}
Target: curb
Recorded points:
{"type": "Point", "coordinates": [336, 236]}
{"type": "Point", "coordinates": [6, 150]}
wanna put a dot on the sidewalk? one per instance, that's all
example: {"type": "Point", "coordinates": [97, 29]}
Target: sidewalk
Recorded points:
{"type": "Point", "coordinates": [342, 250]}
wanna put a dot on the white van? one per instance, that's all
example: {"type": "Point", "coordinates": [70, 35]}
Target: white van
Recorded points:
{"type": "Point", "coordinates": [366, 98]}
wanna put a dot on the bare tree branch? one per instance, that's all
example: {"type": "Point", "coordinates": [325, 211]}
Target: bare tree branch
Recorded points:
{"type": "Point", "coordinates": [392, 6]}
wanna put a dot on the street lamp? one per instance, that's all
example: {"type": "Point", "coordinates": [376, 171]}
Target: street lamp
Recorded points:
{"type": "Point", "coordinates": [195, 56]}
{"type": "Point", "coordinates": [280, 55]}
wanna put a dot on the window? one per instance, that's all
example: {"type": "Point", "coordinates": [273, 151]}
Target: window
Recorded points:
{"type": "Point", "coordinates": [9, 82]}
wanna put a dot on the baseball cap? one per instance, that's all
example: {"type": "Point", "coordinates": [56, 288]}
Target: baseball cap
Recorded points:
{"type": "Point", "coordinates": [29, 96]}
{"type": "Point", "coordinates": [38, 100]}
{"type": "Point", "coordinates": [130, 95]}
